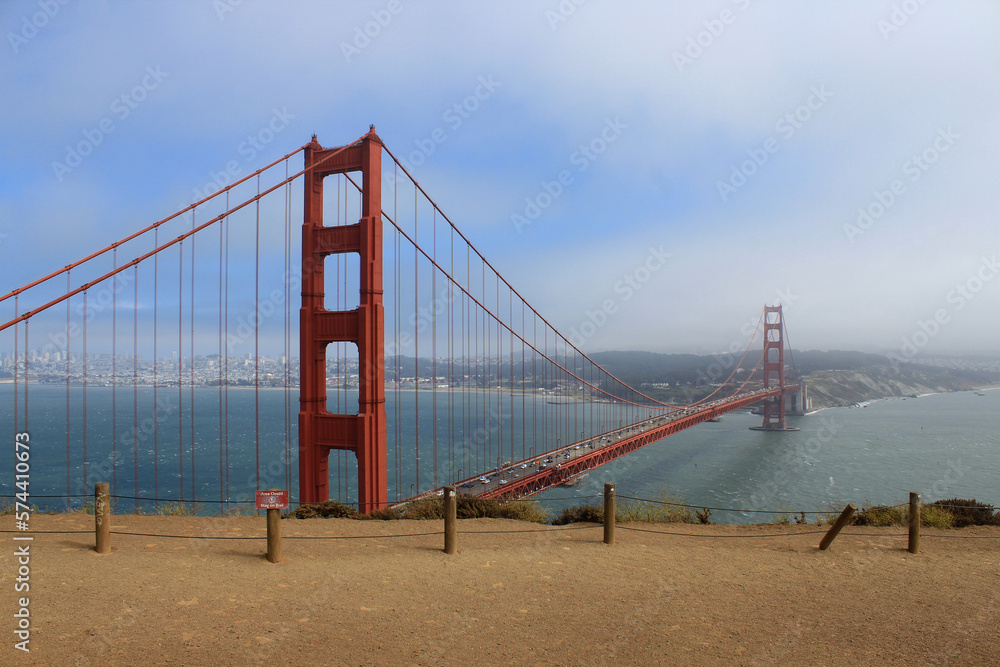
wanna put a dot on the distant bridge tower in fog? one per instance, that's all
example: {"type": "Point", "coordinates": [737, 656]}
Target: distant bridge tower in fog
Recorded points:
{"type": "Point", "coordinates": [774, 371]}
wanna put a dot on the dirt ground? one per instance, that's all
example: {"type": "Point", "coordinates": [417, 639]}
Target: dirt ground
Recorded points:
{"type": "Point", "coordinates": [518, 594]}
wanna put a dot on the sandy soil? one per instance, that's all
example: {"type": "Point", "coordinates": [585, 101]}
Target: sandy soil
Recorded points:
{"type": "Point", "coordinates": [514, 594]}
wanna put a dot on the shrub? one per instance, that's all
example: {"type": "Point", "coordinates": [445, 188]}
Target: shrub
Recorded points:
{"type": "Point", "coordinates": [880, 515]}
{"type": "Point", "coordinates": [86, 507]}
{"type": "Point", "coordinates": [967, 512]}
{"type": "Point", "coordinates": [331, 509]}
{"type": "Point", "coordinates": [384, 514]}
{"type": "Point", "coordinates": [424, 510]}
{"type": "Point", "coordinates": [934, 516]}
{"type": "Point", "coordinates": [665, 509]}
{"type": "Point", "coordinates": [471, 507]}
{"type": "Point", "coordinates": [179, 509]}
{"type": "Point", "coordinates": [580, 514]}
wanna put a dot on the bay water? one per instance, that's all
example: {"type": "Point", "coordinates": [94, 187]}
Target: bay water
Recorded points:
{"type": "Point", "coordinates": [941, 445]}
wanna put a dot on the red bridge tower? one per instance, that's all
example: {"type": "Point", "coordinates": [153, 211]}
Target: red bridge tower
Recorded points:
{"type": "Point", "coordinates": [363, 433]}
{"type": "Point", "coordinates": [774, 371]}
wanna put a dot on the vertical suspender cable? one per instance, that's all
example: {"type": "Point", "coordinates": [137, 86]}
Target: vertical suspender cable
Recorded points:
{"type": "Point", "coordinates": [194, 492]}
{"type": "Point", "coordinates": [225, 337]}
{"type": "Point", "coordinates": [451, 363]}
{"type": "Point", "coordinates": [256, 339]}
{"type": "Point", "coordinates": [222, 245]}
{"type": "Point", "coordinates": [180, 370]}
{"type": "Point", "coordinates": [135, 385]}
{"type": "Point", "coordinates": [416, 347]}
{"type": "Point", "coordinates": [398, 444]}
{"type": "Point", "coordinates": [524, 414]}
{"type": "Point", "coordinates": [288, 331]}
{"type": "Point", "coordinates": [510, 314]}
{"type": "Point", "coordinates": [85, 318]}
{"type": "Point", "coordinates": [477, 372]}
{"type": "Point", "coordinates": [488, 363]}
{"type": "Point", "coordinates": [500, 379]}
{"type": "Point", "coordinates": [17, 353]}
{"type": "Point", "coordinates": [68, 458]}
{"type": "Point", "coordinates": [156, 379]}
{"type": "Point", "coordinates": [539, 386]}
{"type": "Point", "coordinates": [468, 392]}
{"type": "Point", "coordinates": [576, 412]}
{"type": "Point", "coordinates": [434, 428]}
{"type": "Point", "coordinates": [114, 375]}
{"type": "Point", "coordinates": [27, 358]}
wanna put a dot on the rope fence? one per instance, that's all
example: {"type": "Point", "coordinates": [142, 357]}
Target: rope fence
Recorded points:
{"type": "Point", "coordinates": [581, 498]}
{"type": "Point", "coordinates": [103, 532]}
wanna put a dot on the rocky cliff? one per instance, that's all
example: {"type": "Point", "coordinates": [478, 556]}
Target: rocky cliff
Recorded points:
{"type": "Point", "coordinates": [846, 387]}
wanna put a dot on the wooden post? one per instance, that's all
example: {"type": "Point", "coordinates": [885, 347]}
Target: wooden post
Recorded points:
{"type": "Point", "coordinates": [915, 508]}
{"type": "Point", "coordinates": [274, 535]}
{"type": "Point", "coordinates": [842, 520]}
{"type": "Point", "coordinates": [609, 514]}
{"type": "Point", "coordinates": [102, 517]}
{"type": "Point", "coordinates": [450, 520]}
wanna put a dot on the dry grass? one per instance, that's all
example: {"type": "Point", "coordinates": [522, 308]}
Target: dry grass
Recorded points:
{"type": "Point", "coordinates": [666, 508]}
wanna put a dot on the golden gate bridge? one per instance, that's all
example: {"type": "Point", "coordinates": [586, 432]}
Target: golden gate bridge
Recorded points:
{"type": "Point", "coordinates": [419, 364]}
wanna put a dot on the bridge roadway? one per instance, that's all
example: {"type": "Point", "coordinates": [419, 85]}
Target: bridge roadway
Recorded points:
{"type": "Point", "coordinates": [538, 473]}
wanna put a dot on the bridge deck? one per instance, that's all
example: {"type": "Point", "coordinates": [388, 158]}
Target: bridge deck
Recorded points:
{"type": "Point", "coordinates": [538, 473]}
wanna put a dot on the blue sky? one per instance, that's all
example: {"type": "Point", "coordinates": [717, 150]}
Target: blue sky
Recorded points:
{"type": "Point", "coordinates": [838, 156]}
